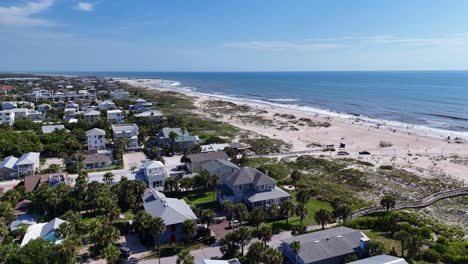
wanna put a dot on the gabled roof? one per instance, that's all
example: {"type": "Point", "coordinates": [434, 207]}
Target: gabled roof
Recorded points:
{"type": "Point", "coordinates": [150, 113]}
{"type": "Point", "coordinates": [95, 131]}
{"type": "Point", "coordinates": [275, 193]}
{"type": "Point", "coordinates": [380, 259]}
{"type": "Point", "coordinates": [114, 111]}
{"type": "Point", "coordinates": [124, 127]}
{"type": "Point", "coordinates": [248, 175]}
{"type": "Point", "coordinates": [51, 128]}
{"type": "Point", "coordinates": [214, 165]}
{"type": "Point", "coordinates": [28, 158]}
{"type": "Point", "coordinates": [42, 230]}
{"type": "Point", "coordinates": [171, 210]}
{"type": "Point", "coordinates": [9, 162]}
{"type": "Point", "coordinates": [213, 147]}
{"type": "Point", "coordinates": [326, 244]}
{"type": "Point", "coordinates": [92, 113]}
{"type": "Point", "coordinates": [200, 157]}
{"type": "Point", "coordinates": [153, 164]}
{"type": "Point", "coordinates": [186, 139]}
{"type": "Point", "coordinates": [167, 130]}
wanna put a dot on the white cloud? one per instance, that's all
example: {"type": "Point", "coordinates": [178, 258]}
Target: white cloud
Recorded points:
{"type": "Point", "coordinates": [278, 45]}
{"type": "Point", "coordinates": [453, 39]}
{"type": "Point", "coordinates": [85, 6]}
{"type": "Point", "coordinates": [22, 14]}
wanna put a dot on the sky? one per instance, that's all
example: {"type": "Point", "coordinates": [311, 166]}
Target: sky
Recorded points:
{"type": "Point", "coordinates": [233, 35]}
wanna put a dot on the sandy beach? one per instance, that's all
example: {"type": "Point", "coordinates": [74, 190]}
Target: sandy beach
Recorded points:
{"type": "Point", "coordinates": [424, 151]}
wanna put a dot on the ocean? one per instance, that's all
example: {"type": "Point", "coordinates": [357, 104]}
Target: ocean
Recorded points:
{"type": "Point", "coordinates": [436, 99]}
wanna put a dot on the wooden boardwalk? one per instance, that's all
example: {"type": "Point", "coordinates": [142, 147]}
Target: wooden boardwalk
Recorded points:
{"type": "Point", "coordinates": [412, 204]}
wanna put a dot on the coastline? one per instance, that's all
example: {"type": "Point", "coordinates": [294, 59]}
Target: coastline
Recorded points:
{"type": "Point", "coordinates": [422, 150]}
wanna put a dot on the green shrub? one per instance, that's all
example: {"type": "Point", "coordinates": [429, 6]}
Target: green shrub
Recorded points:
{"type": "Point", "coordinates": [386, 167]}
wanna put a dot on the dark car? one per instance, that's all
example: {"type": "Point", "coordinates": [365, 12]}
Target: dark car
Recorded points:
{"type": "Point", "coordinates": [343, 153]}
{"type": "Point", "coordinates": [364, 153]}
{"type": "Point", "coordinates": [125, 251]}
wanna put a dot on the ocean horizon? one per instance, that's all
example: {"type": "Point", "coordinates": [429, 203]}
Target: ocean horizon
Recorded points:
{"type": "Point", "coordinates": [434, 99]}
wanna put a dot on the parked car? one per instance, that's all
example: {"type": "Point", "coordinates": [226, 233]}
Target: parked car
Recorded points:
{"type": "Point", "coordinates": [342, 153]}
{"type": "Point", "coordinates": [125, 251]}
{"type": "Point", "coordinates": [364, 153]}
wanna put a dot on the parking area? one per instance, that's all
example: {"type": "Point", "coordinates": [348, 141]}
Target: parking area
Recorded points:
{"type": "Point", "coordinates": [220, 229]}
{"type": "Point", "coordinates": [134, 159]}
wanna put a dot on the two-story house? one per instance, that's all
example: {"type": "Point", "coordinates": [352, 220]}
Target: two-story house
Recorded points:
{"type": "Point", "coordinates": [129, 132]}
{"type": "Point", "coordinates": [115, 116]}
{"type": "Point", "coordinates": [28, 164]}
{"type": "Point", "coordinates": [8, 168]}
{"type": "Point", "coordinates": [92, 116]}
{"type": "Point", "coordinates": [106, 105]}
{"type": "Point", "coordinates": [251, 187]}
{"type": "Point", "coordinates": [173, 211]}
{"type": "Point", "coordinates": [155, 174]}
{"type": "Point", "coordinates": [182, 140]}
{"type": "Point", "coordinates": [96, 139]}
{"type": "Point", "coordinates": [195, 162]}
{"type": "Point", "coordinates": [43, 108]}
{"type": "Point", "coordinates": [7, 117]}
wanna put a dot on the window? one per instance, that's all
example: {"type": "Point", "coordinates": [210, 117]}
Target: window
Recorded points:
{"type": "Point", "coordinates": [240, 187]}
{"type": "Point", "coordinates": [173, 237]}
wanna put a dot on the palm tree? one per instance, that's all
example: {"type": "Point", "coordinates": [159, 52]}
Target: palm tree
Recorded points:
{"type": "Point", "coordinates": [272, 256]}
{"type": "Point", "coordinates": [184, 257]}
{"type": "Point", "coordinates": [256, 252]}
{"type": "Point", "coordinates": [190, 229]}
{"type": "Point", "coordinates": [111, 253]}
{"type": "Point", "coordinates": [207, 217]}
{"type": "Point", "coordinates": [264, 234]}
{"type": "Point", "coordinates": [68, 248]}
{"type": "Point", "coordinates": [302, 211]}
{"type": "Point", "coordinates": [304, 195]}
{"type": "Point", "coordinates": [388, 201]}
{"type": "Point", "coordinates": [272, 212]}
{"type": "Point", "coordinates": [142, 222]}
{"type": "Point", "coordinates": [295, 177]}
{"type": "Point", "coordinates": [228, 244]}
{"type": "Point", "coordinates": [296, 247]}
{"type": "Point", "coordinates": [287, 209]}
{"type": "Point", "coordinates": [323, 217]}
{"type": "Point", "coordinates": [66, 229]}
{"type": "Point", "coordinates": [157, 227]}
{"type": "Point", "coordinates": [139, 188]}
{"type": "Point", "coordinates": [228, 207]}
{"type": "Point", "coordinates": [403, 236]}
{"type": "Point", "coordinates": [173, 135]}
{"type": "Point", "coordinates": [241, 212]}
{"type": "Point", "coordinates": [343, 211]}
{"type": "Point", "coordinates": [108, 178]}
{"type": "Point", "coordinates": [244, 235]}
{"type": "Point", "coordinates": [256, 217]}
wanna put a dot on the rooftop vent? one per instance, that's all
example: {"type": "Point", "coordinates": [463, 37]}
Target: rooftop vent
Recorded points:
{"type": "Point", "coordinates": [316, 241]}
{"type": "Point", "coordinates": [165, 204]}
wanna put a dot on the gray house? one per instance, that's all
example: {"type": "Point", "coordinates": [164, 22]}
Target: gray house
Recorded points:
{"type": "Point", "coordinates": [184, 141]}
{"type": "Point", "coordinates": [8, 168]}
{"type": "Point", "coordinates": [173, 211]}
{"type": "Point", "coordinates": [251, 187]}
{"type": "Point", "coordinates": [220, 167]}
{"type": "Point", "coordinates": [381, 259]}
{"type": "Point", "coordinates": [330, 246]}
{"type": "Point", "coordinates": [195, 161]}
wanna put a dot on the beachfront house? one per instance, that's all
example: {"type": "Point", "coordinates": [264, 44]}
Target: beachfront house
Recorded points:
{"type": "Point", "coordinates": [92, 116]}
{"type": "Point", "coordinates": [220, 167]}
{"type": "Point", "coordinates": [129, 132]}
{"type": "Point", "coordinates": [380, 259]}
{"type": "Point", "coordinates": [47, 231]}
{"type": "Point", "coordinates": [182, 140]}
{"type": "Point", "coordinates": [151, 115]}
{"type": "Point", "coordinates": [173, 211]}
{"type": "Point", "coordinates": [28, 164]}
{"type": "Point", "coordinates": [47, 129]}
{"type": "Point", "coordinates": [140, 105]}
{"type": "Point", "coordinates": [8, 168]}
{"type": "Point", "coordinates": [96, 139]}
{"type": "Point", "coordinates": [327, 246]}
{"type": "Point", "coordinates": [115, 116]}
{"type": "Point", "coordinates": [195, 162]}
{"type": "Point", "coordinates": [155, 174]}
{"type": "Point", "coordinates": [251, 187]}
{"type": "Point", "coordinates": [7, 117]}
{"type": "Point", "coordinates": [106, 105]}
{"type": "Point", "coordinates": [120, 95]}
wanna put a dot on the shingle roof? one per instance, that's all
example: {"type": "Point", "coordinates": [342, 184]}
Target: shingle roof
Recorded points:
{"type": "Point", "coordinates": [327, 244]}
{"type": "Point", "coordinates": [381, 259]}
{"type": "Point", "coordinates": [94, 158]}
{"type": "Point", "coordinates": [149, 113]}
{"type": "Point", "coordinates": [214, 165]}
{"type": "Point", "coordinates": [274, 193]}
{"type": "Point", "coordinates": [51, 128]}
{"type": "Point", "coordinates": [124, 127]}
{"type": "Point", "coordinates": [95, 131]}
{"type": "Point", "coordinates": [167, 130]}
{"type": "Point", "coordinates": [248, 175]}
{"type": "Point", "coordinates": [200, 157]}
{"type": "Point", "coordinates": [171, 210]}
{"type": "Point", "coordinates": [92, 113]}
{"type": "Point", "coordinates": [28, 158]}
{"type": "Point", "coordinates": [153, 164]}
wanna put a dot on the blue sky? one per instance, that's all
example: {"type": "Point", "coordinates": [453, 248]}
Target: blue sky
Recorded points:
{"type": "Point", "coordinates": [227, 35]}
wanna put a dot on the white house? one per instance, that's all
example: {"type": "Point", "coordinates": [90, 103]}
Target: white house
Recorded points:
{"type": "Point", "coordinates": [106, 105]}
{"type": "Point", "coordinates": [7, 117]}
{"type": "Point", "coordinates": [46, 231]}
{"type": "Point", "coordinates": [129, 132]}
{"type": "Point", "coordinates": [92, 116]}
{"type": "Point", "coordinates": [9, 105]}
{"type": "Point", "coordinates": [96, 138]}
{"type": "Point", "coordinates": [44, 108]}
{"type": "Point", "coordinates": [47, 129]}
{"type": "Point", "coordinates": [115, 116]}
{"type": "Point", "coordinates": [69, 113]}
{"type": "Point", "coordinates": [28, 164]}
{"type": "Point", "coordinates": [73, 105]}
{"type": "Point", "coordinates": [155, 174]}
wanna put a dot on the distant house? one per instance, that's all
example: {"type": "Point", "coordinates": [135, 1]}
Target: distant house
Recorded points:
{"type": "Point", "coordinates": [220, 167]}
{"type": "Point", "coordinates": [140, 105]}
{"type": "Point", "coordinates": [153, 115]}
{"type": "Point", "coordinates": [69, 113]}
{"type": "Point", "coordinates": [8, 168]}
{"type": "Point", "coordinates": [251, 187]}
{"type": "Point", "coordinates": [106, 105]}
{"type": "Point", "coordinates": [9, 105]}
{"type": "Point", "coordinates": [183, 141]}
{"type": "Point", "coordinates": [381, 259]}
{"type": "Point", "coordinates": [96, 139]}
{"type": "Point", "coordinates": [43, 108]}
{"type": "Point", "coordinates": [92, 116]}
{"type": "Point", "coordinates": [155, 174]}
{"type": "Point", "coordinates": [5, 89]}
{"type": "Point", "coordinates": [46, 231]}
{"type": "Point", "coordinates": [195, 162]}
{"type": "Point", "coordinates": [96, 160]}
{"type": "Point", "coordinates": [7, 117]}
{"type": "Point", "coordinates": [47, 129]}
{"type": "Point", "coordinates": [73, 105]}
{"type": "Point", "coordinates": [129, 132]}
{"type": "Point", "coordinates": [330, 246]}
{"type": "Point", "coordinates": [173, 211]}
{"type": "Point", "coordinates": [119, 95]}
{"type": "Point", "coordinates": [28, 164]}
{"type": "Point", "coordinates": [214, 147]}
{"type": "Point", "coordinates": [218, 261]}
{"type": "Point", "coordinates": [31, 183]}
{"type": "Point", "coordinates": [115, 116]}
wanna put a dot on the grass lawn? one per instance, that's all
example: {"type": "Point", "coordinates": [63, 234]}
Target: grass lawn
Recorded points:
{"type": "Point", "coordinates": [203, 200]}
{"type": "Point", "coordinates": [389, 243]}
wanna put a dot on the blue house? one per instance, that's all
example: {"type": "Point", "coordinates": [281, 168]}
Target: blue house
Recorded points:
{"type": "Point", "coordinates": [173, 211]}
